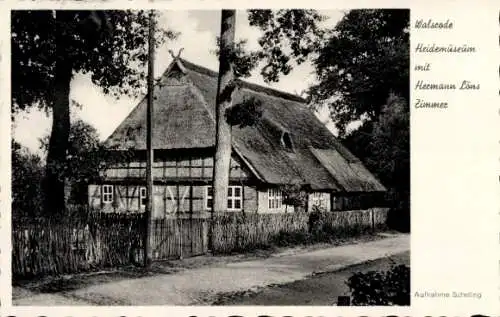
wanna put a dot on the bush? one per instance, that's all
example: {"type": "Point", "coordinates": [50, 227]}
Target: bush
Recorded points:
{"type": "Point", "coordinates": [399, 219]}
{"type": "Point", "coordinates": [399, 215]}
{"type": "Point", "coordinates": [27, 174]}
{"type": "Point", "coordinates": [376, 288]}
{"type": "Point", "coordinates": [316, 220]}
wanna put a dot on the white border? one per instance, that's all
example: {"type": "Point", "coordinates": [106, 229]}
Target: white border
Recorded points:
{"type": "Point", "coordinates": [456, 190]}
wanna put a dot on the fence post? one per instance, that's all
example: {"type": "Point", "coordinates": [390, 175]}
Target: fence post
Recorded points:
{"type": "Point", "coordinates": [179, 225]}
{"type": "Point", "coordinates": [373, 218]}
{"type": "Point", "coordinates": [211, 224]}
{"type": "Point", "coordinates": [191, 225]}
{"type": "Point", "coordinates": [238, 220]}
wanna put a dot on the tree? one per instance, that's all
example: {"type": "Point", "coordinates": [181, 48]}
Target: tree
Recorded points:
{"type": "Point", "coordinates": [86, 159]}
{"type": "Point", "coordinates": [27, 175]}
{"type": "Point", "coordinates": [390, 144]}
{"type": "Point", "coordinates": [294, 29]}
{"type": "Point", "coordinates": [289, 37]}
{"type": "Point", "coordinates": [362, 68]}
{"type": "Point", "coordinates": [225, 90]}
{"type": "Point", "coordinates": [363, 60]}
{"type": "Point", "coordinates": [48, 47]}
{"type": "Point", "coordinates": [384, 146]}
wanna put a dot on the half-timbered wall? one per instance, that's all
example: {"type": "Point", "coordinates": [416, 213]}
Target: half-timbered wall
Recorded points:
{"type": "Point", "coordinates": [176, 169]}
{"type": "Point", "coordinates": [168, 199]}
{"type": "Point", "coordinates": [181, 187]}
{"type": "Point", "coordinates": [181, 182]}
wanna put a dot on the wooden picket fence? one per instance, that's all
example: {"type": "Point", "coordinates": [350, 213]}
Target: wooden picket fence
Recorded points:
{"type": "Point", "coordinates": [237, 232]}
{"type": "Point", "coordinates": [179, 237]}
{"type": "Point", "coordinates": [101, 240]}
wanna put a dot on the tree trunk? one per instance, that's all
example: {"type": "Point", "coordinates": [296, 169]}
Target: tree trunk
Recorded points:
{"type": "Point", "coordinates": [148, 256]}
{"type": "Point", "coordinates": [225, 91]}
{"type": "Point", "coordinates": [58, 143]}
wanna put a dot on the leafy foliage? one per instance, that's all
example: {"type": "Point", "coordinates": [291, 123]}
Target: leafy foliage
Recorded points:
{"type": "Point", "coordinates": [86, 159]}
{"type": "Point", "coordinates": [391, 143]}
{"type": "Point", "coordinates": [363, 60]}
{"type": "Point", "coordinates": [315, 220]}
{"type": "Point", "coordinates": [381, 288]}
{"type": "Point", "coordinates": [363, 75]}
{"type": "Point", "coordinates": [385, 143]}
{"type": "Point", "coordinates": [111, 45]}
{"type": "Point", "coordinates": [242, 60]}
{"type": "Point", "coordinates": [27, 175]}
{"type": "Point", "coordinates": [384, 146]}
{"type": "Point", "coordinates": [83, 144]}
{"type": "Point", "coordinates": [246, 113]}
{"type": "Point", "coordinates": [294, 195]}
{"type": "Point", "coordinates": [288, 36]}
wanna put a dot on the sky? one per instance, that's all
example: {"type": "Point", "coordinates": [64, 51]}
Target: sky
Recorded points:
{"type": "Point", "coordinates": [198, 31]}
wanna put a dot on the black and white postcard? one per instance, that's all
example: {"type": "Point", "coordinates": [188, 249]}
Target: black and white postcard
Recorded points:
{"type": "Point", "coordinates": [337, 159]}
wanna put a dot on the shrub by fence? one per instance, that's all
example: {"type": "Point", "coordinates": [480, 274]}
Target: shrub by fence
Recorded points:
{"type": "Point", "coordinates": [99, 240]}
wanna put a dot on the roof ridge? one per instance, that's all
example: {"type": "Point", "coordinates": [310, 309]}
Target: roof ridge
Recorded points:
{"type": "Point", "coordinates": [142, 99]}
{"type": "Point", "coordinates": [245, 84]}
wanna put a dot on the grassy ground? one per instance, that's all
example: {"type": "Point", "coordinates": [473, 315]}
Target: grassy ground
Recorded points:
{"type": "Point", "coordinates": [66, 283]}
{"type": "Point", "coordinates": [320, 289]}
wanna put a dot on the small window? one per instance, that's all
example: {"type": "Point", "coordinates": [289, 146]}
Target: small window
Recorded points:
{"type": "Point", "coordinates": [275, 199]}
{"type": "Point", "coordinates": [286, 141]}
{"type": "Point", "coordinates": [143, 196]}
{"type": "Point", "coordinates": [348, 203]}
{"type": "Point", "coordinates": [234, 197]}
{"type": "Point", "coordinates": [319, 200]}
{"type": "Point", "coordinates": [107, 194]}
{"type": "Point", "coordinates": [209, 198]}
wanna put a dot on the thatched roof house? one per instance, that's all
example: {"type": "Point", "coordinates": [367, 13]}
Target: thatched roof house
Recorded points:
{"type": "Point", "coordinates": [289, 145]}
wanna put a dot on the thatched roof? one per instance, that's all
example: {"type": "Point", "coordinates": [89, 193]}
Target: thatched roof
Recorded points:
{"type": "Point", "coordinates": [289, 144]}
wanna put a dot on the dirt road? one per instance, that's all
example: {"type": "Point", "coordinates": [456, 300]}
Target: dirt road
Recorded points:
{"type": "Point", "coordinates": [203, 285]}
